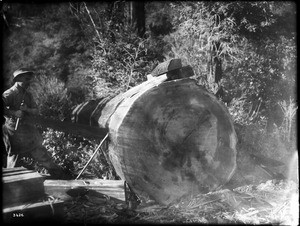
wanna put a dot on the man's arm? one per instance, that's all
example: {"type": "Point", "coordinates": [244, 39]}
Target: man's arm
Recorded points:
{"type": "Point", "coordinates": [30, 106]}
{"type": "Point", "coordinates": [10, 113]}
{"type": "Point", "coordinates": [7, 97]}
{"type": "Point", "coordinates": [31, 111]}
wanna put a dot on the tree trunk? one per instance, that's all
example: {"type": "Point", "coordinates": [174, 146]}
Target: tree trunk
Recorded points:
{"type": "Point", "coordinates": [137, 16]}
{"type": "Point", "coordinates": [169, 139]}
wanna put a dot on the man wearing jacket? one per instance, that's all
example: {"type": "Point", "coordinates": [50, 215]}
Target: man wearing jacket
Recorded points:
{"type": "Point", "coordinates": [20, 137]}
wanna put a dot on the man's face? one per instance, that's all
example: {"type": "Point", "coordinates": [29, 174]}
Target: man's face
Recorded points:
{"type": "Point", "coordinates": [24, 79]}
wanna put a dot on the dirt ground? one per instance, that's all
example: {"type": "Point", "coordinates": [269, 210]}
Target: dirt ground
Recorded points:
{"type": "Point", "coordinates": [272, 202]}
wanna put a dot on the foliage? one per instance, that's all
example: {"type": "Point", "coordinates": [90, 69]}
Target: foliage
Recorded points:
{"type": "Point", "coordinates": [82, 51]}
{"type": "Point", "coordinates": [72, 64]}
{"type": "Point", "coordinates": [258, 61]}
{"type": "Point", "coordinates": [120, 59]}
{"type": "Point", "coordinates": [289, 110]}
{"type": "Point", "coordinates": [245, 113]}
{"type": "Point", "coordinates": [50, 95]}
{"type": "Point", "coordinates": [123, 65]}
{"type": "Point", "coordinates": [52, 43]}
{"type": "Point", "coordinates": [200, 28]}
{"type": "Point", "coordinates": [73, 152]}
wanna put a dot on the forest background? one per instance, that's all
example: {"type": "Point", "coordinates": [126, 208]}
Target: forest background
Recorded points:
{"type": "Point", "coordinates": [243, 52]}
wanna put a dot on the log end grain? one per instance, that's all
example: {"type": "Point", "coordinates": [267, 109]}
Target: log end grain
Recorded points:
{"type": "Point", "coordinates": [174, 140]}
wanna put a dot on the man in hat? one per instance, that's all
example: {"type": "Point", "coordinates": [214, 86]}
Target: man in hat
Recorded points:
{"type": "Point", "coordinates": [21, 138]}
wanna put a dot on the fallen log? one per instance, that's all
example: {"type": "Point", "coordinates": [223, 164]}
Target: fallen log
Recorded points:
{"type": "Point", "coordinates": [169, 138]}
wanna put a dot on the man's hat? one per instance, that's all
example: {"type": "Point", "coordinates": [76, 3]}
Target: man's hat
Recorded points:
{"type": "Point", "coordinates": [21, 71]}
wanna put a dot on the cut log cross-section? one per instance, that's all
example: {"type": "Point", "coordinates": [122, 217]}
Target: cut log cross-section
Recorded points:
{"type": "Point", "coordinates": [171, 140]}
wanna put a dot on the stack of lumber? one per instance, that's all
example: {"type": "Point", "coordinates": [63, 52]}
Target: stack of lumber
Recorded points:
{"type": "Point", "coordinates": [24, 198]}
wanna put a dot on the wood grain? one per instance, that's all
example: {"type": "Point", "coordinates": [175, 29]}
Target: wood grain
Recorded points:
{"type": "Point", "coordinates": [172, 140]}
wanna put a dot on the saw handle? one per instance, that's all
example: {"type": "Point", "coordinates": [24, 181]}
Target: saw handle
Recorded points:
{"type": "Point", "coordinates": [18, 120]}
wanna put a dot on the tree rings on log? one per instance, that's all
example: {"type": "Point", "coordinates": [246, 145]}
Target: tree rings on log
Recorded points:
{"type": "Point", "coordinates": [170, 139]}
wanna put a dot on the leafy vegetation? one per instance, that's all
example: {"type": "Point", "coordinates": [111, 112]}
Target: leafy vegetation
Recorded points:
{"type": "Point", "coordinates": [244, 52]}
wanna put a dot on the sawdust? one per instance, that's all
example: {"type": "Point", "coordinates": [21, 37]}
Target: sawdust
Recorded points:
{"type": "Point", "coordinates": [272, 202]}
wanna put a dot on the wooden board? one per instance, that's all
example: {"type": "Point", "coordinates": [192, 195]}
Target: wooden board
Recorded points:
{"type": "Point", "coordinates": [32, 212]}
{"type": "Point", "coordinates": [61, 188]}
{"type": "Point", "coordinates": [21, 185]}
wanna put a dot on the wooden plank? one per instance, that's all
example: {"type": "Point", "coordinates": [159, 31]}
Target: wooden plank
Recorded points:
{"type": "Point", "coordinates": [7, 172]}
{"type": "Point", "coordinates": [13, 173]}
{"type": "Point", "coordinates": [34, 211]}
{"type": "Point", "coordinates": [61, 188]}
{"type": "Point", "coordinates": [16, 169]}
{"type": "Point", "coordinates": [14, 177]}
{"type": "Point", "coordinates": [21, 185]}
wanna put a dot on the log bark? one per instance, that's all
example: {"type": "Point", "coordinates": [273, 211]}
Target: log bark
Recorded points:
{"type": "Point", "coordinates": [84, 130]}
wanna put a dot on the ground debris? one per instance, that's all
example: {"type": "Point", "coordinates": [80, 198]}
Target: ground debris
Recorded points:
{"type": "Point", "coordinates": [272, 202]}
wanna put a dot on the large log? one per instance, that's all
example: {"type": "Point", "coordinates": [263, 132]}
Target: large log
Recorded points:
{"type": "Point", "coordinates": [169, 139]}
{"type": "Point", "coordinates": [172, 140]}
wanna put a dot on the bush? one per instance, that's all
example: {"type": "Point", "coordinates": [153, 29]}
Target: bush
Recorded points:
{"type": "Point", "coordinates": [279, 144]}
{"type": "Point", "coordinates": [73, 152]}
{"type": "Point", "coordinates": [56, 100]}
{"type": "Point", "coordinates": [125, 63]}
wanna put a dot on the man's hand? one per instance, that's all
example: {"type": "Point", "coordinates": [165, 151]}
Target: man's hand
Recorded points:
{"type": "Point", "coordinates": [19, 114]}
{"type": "Point", "coordinates": [24, 107]}
{"type": "Point", "coordinates": [28, 110]}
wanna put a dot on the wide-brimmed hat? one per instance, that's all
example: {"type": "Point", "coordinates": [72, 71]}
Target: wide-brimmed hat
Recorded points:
{"type": "Point", "coordinates": [22, 71]}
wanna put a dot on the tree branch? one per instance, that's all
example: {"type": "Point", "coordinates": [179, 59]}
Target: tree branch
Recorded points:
{"type": "Point", "coordinates": [91, 18]}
